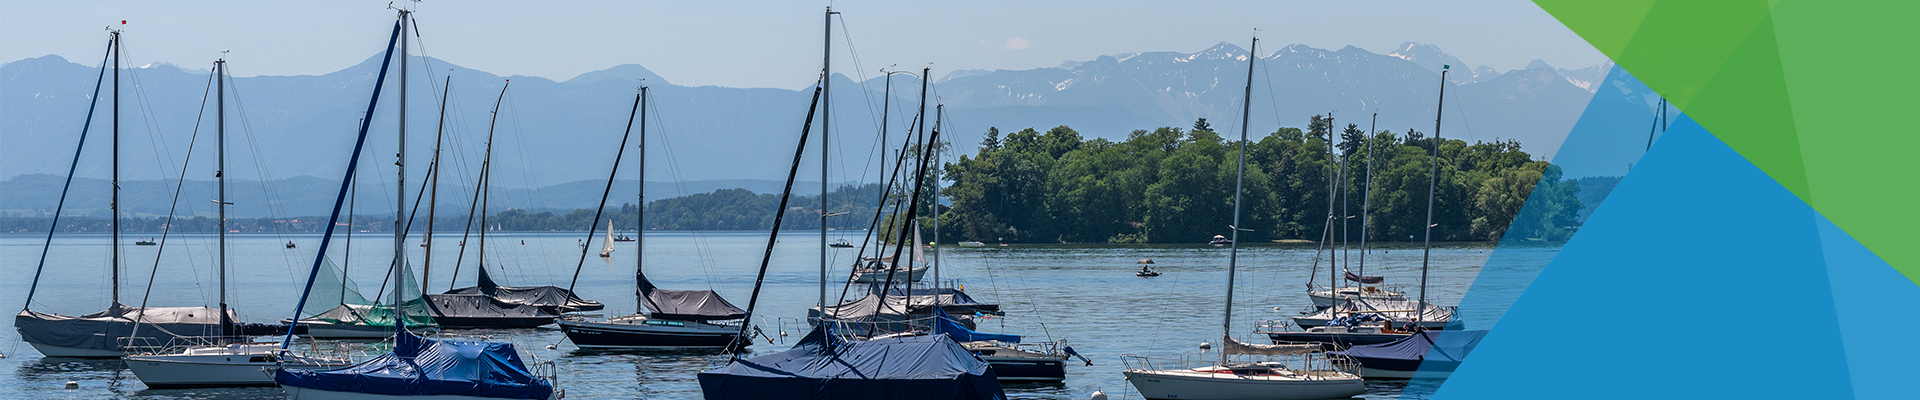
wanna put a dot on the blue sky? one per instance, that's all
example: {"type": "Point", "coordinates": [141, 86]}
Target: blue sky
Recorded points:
{"type": "Point", "coordinates": [768, 43]}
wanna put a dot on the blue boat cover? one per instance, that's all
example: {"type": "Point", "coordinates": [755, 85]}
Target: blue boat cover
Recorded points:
{"type": "Point", "coordinates": [821, 367]}
{"type": "Point", "coordinates": [424, 367]}
{"type": "Point", "coordinates": [953, 329]}
{"type": "Point", "coordinates": [1451, 346]}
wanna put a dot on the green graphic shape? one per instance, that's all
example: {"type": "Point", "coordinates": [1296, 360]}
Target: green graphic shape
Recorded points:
{"type": "Point", "coordinates": [1813, 93]}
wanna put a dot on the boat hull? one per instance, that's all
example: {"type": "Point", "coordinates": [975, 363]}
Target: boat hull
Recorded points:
{"type": "Point", "coordinates": [1394, 369]}
{"type": "Point", "coordinates": [74, 352]}
{"type": "Point", "coordinates": [1324, 299]}
{"type": "Point", "coordinates": [1309, 323]}
{"type": "Point", "coordinates": [1342, 339]}
{"type": "Point", "coordinates": [204, 371]}
{"type": "Point", "coordinates": [300, 393]}
{"type": "Point", "coordinates": [596, 335]}
{"type": "Point", "coordinates": [912, 275]}
{"type": "Point", "coordinates": [1027, 369]}
{"type": "Point", "coordinates": [1187, 385]}
{"type": "Point", "coordinates": [491, 322]}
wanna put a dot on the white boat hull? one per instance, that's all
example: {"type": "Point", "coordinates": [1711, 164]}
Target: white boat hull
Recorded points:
{"type": "Point", "coordinates": [235, 366]}
{"type": "Point", "coordinates": [1323, 299]}
{"type": "Point", "coordinates": [75, 352]}
{"type": "Point", "coordinates": [1193, 385]}
{"type": "Point", "coordinates": [912, 275]}
{"type": "Point", "coordinates": [298, 393]}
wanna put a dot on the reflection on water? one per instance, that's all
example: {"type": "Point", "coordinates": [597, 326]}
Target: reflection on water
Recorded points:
{"type": "Point", "coordinates": [1086, 295]}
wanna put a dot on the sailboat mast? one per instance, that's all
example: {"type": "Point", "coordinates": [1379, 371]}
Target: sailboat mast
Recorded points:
{"type": "Point", "coordinates": [1233, 252]}
{"type": "Point", "coordinates": [486, 177]}
{"type": "Point", "coordinates": [220, 178]}
{"type": "Point", "coordinates": [433, 191]}
{"type": "Point", "coordinates": [115, 205]}
{"type": "Point", "coordinates": [1366, 198]}
{"type": "Point", "coordinates": [939, 111]}
{"type": "Point", "coordinates": [400, 204]}
{"type": "Point", "coordinates": [640, 214]}
{"type": "Point", "coordinates": [826, 87]}
{"type": "Point", "coordinates": [1333, 189]}
{"type": "Point", "coordinates": [1433, 177]}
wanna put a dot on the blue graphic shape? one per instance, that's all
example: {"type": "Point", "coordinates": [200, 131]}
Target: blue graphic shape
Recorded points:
{"type": "Point", "coordinates": [1612, 133]}
{"type": "Point", "coordinates": [1874, 303]}
{"type": "Point", "coordinates": [1676, 288]}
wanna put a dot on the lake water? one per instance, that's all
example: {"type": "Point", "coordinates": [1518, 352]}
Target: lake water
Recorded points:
{"type": "Point", "coordinates": [1087, 295]}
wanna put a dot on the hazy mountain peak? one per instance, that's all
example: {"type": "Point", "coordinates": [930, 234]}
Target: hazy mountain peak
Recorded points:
{"type": "Point", "coordinates": [1221, 51]}
{"type": "Point", "coordinates": [630, 73]}
{"type": "Point", "coordinates": [1537, 63]}
{"type": "Point", "coordinates": [1426, 55]}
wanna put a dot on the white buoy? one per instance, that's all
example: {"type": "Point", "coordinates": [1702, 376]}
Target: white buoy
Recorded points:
{"type": "Point", "coordinates": [1205, 345]}
{"type": "Point", "coordinates": [551, 347]}
{"type": "Point", "coordinates": [73, 385]}
{"type": "Point", "coordinates": [1099, 395]}
{"type": "Point", "coordinates": [783, 333]}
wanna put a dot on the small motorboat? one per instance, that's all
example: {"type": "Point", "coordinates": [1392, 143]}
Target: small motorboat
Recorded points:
{"type": "Point", "coordinates": [1219, 240]}
{"type": "Point", "coordinates": [145, 241]}
{"type": "Point", "coordinates": [973, 244]}
{"type": "Point", "coordinates": [1146, 268]}
{"type": "Point", "coordinates": [290, 245]}
{"type": "Point", "coordinates": [842, 243]}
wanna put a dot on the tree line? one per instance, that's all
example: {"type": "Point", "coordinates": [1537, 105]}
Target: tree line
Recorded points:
{"type": "Point", "coordinates": [1173, 185]}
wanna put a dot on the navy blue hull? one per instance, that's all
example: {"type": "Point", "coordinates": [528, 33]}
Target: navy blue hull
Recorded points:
{"type": "Point", "coordinates": [1028, 370]}
{"type": "Point", "coordinates": [1341, 339]}
{"type": "Point", "coordinates": [588, 336]}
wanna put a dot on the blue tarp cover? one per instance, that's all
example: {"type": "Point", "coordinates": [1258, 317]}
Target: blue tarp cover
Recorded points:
{"type": "Point", "coordinates": [423, 367]}
{"type": "Point", "coordinates": [821, 367]}
{"type": "Point", "coordinates": [1427, 345]}
{"type": "Point", "coordinates": [961, 333]}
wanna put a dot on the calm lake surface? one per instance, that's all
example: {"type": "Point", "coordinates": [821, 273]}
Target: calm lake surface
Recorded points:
{"type": "Point", "coordinates": [1087, 295]}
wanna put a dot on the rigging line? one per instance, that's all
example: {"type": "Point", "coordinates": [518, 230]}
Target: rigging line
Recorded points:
{"type": "Point", "coordinates": [1277, 119]}
{"type": "Point", "coordinates": [61, 205]}
{"type": "Point", "coordinates": [263, 172]}
{"type": "Point", "coordinates": [526, 179]}
{"type": "Point", "coordinates": [155, 137]}
{"type": "Point", "coordinates": [866, 90]}
{"type": "Point", "coordinates": [779, 215]}
{"type": "Point", "coordinates": [595, 223]}
{"type": "Point", "coordinates": [702, 249]}
{"type": "Point", "coordinates": [167, 229]}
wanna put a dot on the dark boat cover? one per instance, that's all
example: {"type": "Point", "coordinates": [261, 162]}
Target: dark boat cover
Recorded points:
{"type": "Point", "coordinates": [686, 305]}
{"type": "Point", "coordinates": [105, 330]}
{"type": "Point", "coordinates": [821, 367]}
{"type": "Point", "coordinates": [554, 299]}
{"type": "Point", "coordinates": [1449, 346]}
{"type": "Point", "coordinates": [960, 333]}
{"type": "Point", "coordinates": [480, 306]}
{"type": "Point", "coordinates": [371, 315]}
{"type": "Point", "coordinates": [425, 367]}
{"type": "Point", "coordinates": [1364, 279]}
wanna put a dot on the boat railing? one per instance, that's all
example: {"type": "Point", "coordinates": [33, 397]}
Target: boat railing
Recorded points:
{"type": "Point", "coordinates": [1266, 326]}
{"type": "Point", "coordinates": [143, 346]}
{"type": "Point", "coordinates": [1128, 361]}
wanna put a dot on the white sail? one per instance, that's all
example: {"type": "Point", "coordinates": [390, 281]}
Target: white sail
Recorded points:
{"type": "Point", "coordinates": [606, 246]}
{"type": "Point", "coordinates": [919, 253]}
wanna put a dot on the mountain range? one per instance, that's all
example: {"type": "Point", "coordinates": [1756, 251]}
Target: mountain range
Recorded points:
{"type": "Point", "coordinates": [556, 132]}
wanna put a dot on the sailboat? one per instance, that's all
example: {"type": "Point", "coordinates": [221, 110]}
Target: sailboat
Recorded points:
{"type": "Point", "coordinates": [606, 247]}
{"type": "Point", "coordinates": [105, 334]}
{"type": "Point", "coordinates": [879, 268]}
{"type": "Point", "coordinates": [1267, 380]}
{"type": "Point", "coordinates": [668, 319]}
{"type": "Point", "coordinates": [487, 304]}
{"type": "Point", "coordinates": [416, 367]}
{"type": "Point", "coordinates": [217, 361]}
{"type": "Point", "coordinates": [822, 365]}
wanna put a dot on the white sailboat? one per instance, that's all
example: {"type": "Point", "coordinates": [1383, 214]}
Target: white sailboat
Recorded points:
{"type": "Point", "coordinates": [606, 247]}
{"type": "Point", "coordinates": [1305, 376]}
{"type": "Point", "coordinates": [214, 362]}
